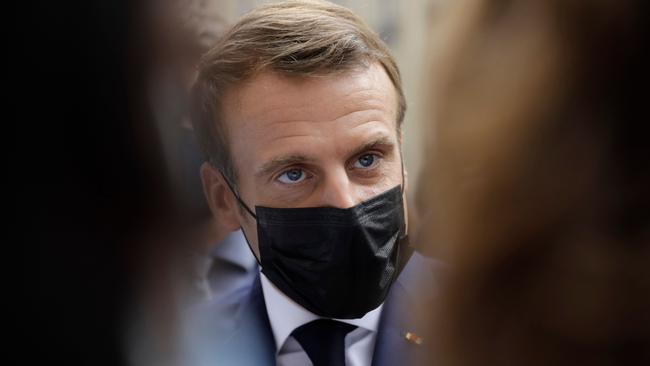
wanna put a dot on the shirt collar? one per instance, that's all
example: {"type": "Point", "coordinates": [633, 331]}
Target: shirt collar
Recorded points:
{"type": "Point", "coordinates": [285, 315]}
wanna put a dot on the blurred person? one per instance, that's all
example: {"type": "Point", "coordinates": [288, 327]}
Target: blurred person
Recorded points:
{"type": "Point", "coordinates": [101, 219]}
{"type": "Point", "coordinates": [538, 191]}
{"type": "Point", "coordinates": [299, 108]}
{"type": "Point", "coordinates": [225, 267]}
{"type": "Point", "coordinates": [218, 263]}
{"type": "Point", "coordinates": [209, 261]}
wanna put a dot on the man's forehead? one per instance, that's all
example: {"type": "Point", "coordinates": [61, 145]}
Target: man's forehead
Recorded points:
{"type": "Point", "coordinates": [269, 97]}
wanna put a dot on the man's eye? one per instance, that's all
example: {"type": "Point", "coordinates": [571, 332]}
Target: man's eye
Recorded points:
{"type": "Point", "coordinates": [292, 176]}
{"type": "Point", "coordinates": [365, 161]}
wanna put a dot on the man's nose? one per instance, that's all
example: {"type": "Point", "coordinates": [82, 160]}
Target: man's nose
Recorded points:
{"type": "Point", "coordinates": [338, 191]}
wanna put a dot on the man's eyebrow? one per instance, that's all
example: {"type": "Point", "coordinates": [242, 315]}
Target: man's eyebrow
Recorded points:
{"type": "Point", "coordinates": [381, 141]}
{"type": "Point", "coordinates": [279, 162]}
{"type": "Point", "coordinates": [294, 159]}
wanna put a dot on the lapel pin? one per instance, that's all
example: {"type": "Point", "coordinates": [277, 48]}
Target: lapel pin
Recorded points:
{"type": "Point", "coordinates": [413, 338]}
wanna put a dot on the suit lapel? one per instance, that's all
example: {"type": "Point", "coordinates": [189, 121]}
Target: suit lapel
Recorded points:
{"type": "Point", "coordinates": [252, 342]}
{"type": "Point", "coordinates": [399, 316]}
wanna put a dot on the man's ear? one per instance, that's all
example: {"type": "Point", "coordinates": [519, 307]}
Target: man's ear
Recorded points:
{"type": "Point", "coordinates": [405, 200]}
{"type": "Point", "coordinates": [406, 179]}
{"type": "Point", "coordinates": [220, 199]}
{"type": "Point", "coordinates": [404, 182]}
{"type": "Point", "coordinates": [401, 153]}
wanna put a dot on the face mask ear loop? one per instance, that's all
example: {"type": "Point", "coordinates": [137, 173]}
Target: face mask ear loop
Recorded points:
{"type": "Point", "coordinates": [241, 202]}
{"type": "Point", "coordinates": [401, 158]}
{"type": "Point", "coordinates": [404, 236]}
{"type": "Point", "coordinates": [405, 250]}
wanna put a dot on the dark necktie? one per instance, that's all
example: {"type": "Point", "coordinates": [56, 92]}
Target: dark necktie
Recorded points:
{"type": "Point", "coordinates": [324, 341]}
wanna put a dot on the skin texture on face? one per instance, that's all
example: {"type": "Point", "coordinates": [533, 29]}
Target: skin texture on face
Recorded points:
{"type": "Point", "coordinates": [327, 141]}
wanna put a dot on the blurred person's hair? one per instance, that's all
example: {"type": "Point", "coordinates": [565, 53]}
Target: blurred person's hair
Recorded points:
{"type": "Point", "coordinates": [182, 33]}
{"type": "Point", "coordinates": [538, 187]}
{"type": "Point", "coordinates": [204, 22]}
{"type": "Point", "coordinates": [184, 30]}
{"type": "Point", "coordinates": [199, 27]}
{"type": "Point", "coordinates": [307, 38]}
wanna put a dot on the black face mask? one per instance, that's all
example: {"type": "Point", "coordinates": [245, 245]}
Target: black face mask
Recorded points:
{"type": "Point", "coordinates": [336, 263]}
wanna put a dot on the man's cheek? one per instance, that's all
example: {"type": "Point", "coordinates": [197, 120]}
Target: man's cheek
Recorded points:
{"type": "Point", "coordinates": [380, 187]}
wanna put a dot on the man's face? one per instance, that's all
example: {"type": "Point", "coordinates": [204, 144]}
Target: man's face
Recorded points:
{"type": "Point", "coordinates": [323, 141]}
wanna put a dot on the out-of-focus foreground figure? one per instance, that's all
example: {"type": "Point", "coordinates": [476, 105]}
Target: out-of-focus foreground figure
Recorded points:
{"type": "Point", "coordinates": [107, 220]}
{"type": "Point", "coordinates": [538, 184]}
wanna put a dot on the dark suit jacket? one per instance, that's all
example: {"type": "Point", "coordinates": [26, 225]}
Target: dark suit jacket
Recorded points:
{"type": "Point", "coordinates": [239, 333]}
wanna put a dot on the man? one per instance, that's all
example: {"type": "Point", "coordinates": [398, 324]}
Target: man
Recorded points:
{"type": "Point", "coordinates": [299, 111]}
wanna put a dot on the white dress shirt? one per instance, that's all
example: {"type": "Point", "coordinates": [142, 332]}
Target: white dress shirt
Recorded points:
{"type": "Point", "coordinates": [285, 315]}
